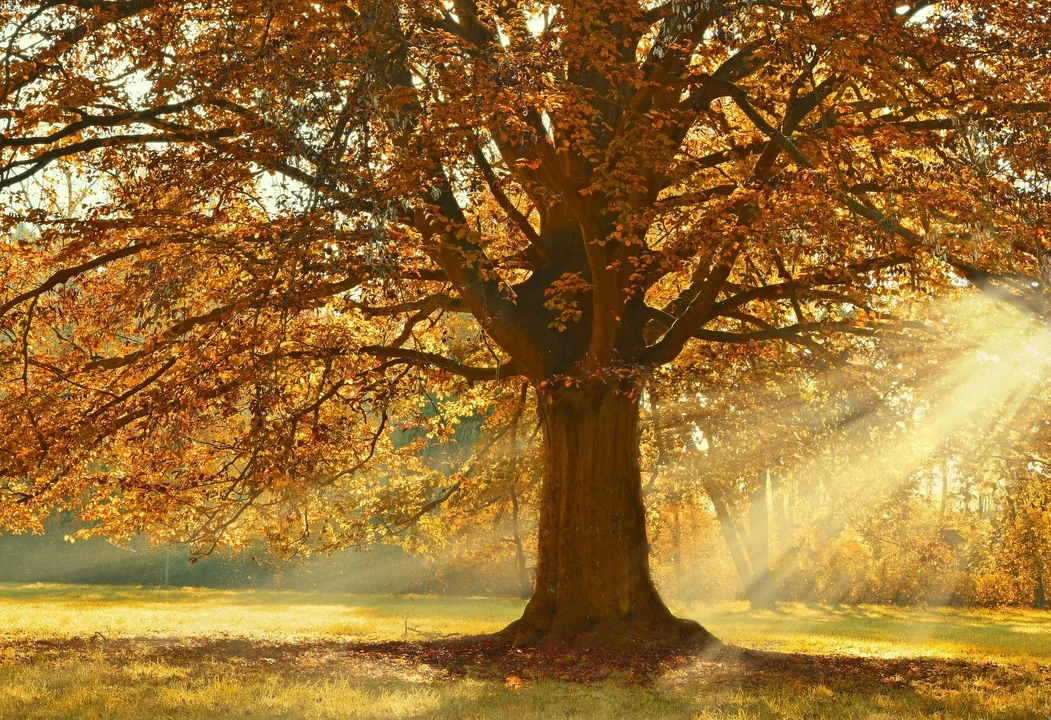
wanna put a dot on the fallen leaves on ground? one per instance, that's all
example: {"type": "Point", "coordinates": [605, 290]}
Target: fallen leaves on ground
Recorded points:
{"type": "Point", "coordinates": [493, 658]}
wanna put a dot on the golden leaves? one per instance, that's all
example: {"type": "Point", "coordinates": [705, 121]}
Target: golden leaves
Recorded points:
{"type": "Point", "coordinates": [288, 193]}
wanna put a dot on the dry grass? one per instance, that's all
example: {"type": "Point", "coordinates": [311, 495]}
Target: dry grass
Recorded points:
{"type": "Point", "coordinates": [87, 652]}
{"type": "Point", "coordinates": [65, 611]}
{"type": "Point", "coordinates": [1004, 635]}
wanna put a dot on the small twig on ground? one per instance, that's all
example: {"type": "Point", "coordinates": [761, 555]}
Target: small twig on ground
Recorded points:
{"type": "Point", "coordinates": [427, 633]}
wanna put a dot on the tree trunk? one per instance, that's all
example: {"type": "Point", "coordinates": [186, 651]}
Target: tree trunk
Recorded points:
{"type": "Point", "coordinates": [676, 535]}
{"type": "Point", "coordinates": [945, 491]}
{"type": "Point", "coordinates": [787, 552]}
{"type": "Point", "coordinates": [762, 595]}
{"type": "Point", "coordinates": [733, 542]}
{"type": "Point", "coordinates": [525, 588]}
{"type": "Point", "coordinates": [780, 503]}
{"type": "Point", "coordinates": [593, 584]}
{"type": "Point", "coordinates": [1039, 592]}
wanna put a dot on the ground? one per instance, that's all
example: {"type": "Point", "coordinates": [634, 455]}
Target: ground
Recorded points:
{"type": "Point", "coordinates": [103, 652]}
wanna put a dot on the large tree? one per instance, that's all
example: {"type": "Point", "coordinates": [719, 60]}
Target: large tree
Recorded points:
{"type": "Point", "coordinates": [245, 238]}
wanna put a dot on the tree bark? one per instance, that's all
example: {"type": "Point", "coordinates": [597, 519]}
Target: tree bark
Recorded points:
{"type": "Point", "coordinates": [593, 584]}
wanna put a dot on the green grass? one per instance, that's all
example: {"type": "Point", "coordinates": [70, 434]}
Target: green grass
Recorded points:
{"type": "Point", "coordinates": [101, 652]}
{"type": "Point", "coordinates": [1005, 635]}
{"type": "Point", "coordinates": [64, 611]}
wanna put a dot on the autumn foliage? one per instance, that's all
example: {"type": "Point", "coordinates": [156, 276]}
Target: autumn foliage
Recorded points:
{"type": "Point", "coordinates": [263, 258]}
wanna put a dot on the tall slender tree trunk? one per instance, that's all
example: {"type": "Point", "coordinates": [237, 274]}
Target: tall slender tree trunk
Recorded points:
{"type": "Point", "coordinates": [525, 588]}
{"type": "Point", "coordinates": [759, 545]}
{"type": "Point", "coordinates": [945, 491]}
{"type": "Point", "coordinates": [780, 502]}
{"type": "Point", "coordinates": [733, 543]}
{"type": "Point", "coordinates": [749, 550]}
{"type": "Point", "coordinates": [593, 584]}
{"type": "Point", "coordinates": [676, 535]}
{"type": "Point", "coordinates": [787, 551]}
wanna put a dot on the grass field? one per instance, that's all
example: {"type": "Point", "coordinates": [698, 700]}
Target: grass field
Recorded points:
{"type": "Point", "coordinates": [103, 652]}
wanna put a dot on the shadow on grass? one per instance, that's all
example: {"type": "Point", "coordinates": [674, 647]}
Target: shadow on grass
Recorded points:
{"type": "Point", "coordinates": [492, 658]}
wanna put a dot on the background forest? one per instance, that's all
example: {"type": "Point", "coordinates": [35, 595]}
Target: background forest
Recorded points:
{"type": "Point", "coordinates": [531, 358]}
{"type": "Point", "coordinates": [927, 487]}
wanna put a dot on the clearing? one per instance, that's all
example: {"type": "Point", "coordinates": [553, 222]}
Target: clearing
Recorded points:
{"type": "Point", "coordinates": [124, 652]}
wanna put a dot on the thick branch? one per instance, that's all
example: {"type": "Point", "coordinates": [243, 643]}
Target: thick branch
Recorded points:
{"type": "Point", "coordinates": [697, 313]}
{"type": "Point", "coordinates": [455, 367]}
{"type": "Point", "coordinates": [62, 276]}
{"type": "Point", "coordinates": [536, 246]}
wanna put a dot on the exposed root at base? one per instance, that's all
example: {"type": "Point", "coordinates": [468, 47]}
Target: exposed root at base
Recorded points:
{"type": "Point", "coordinates": [624, 634]}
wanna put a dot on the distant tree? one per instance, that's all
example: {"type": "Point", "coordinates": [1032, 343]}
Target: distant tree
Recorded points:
{"type": "Point", "coordinates": [304, 217]}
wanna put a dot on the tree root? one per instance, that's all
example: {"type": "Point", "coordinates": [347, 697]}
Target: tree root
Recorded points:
{"type": "Point", "coordinates": [626, 634]}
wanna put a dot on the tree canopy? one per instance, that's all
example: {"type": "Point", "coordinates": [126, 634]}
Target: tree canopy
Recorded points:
{"type": "Point", "coordinates": [248, 241]}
